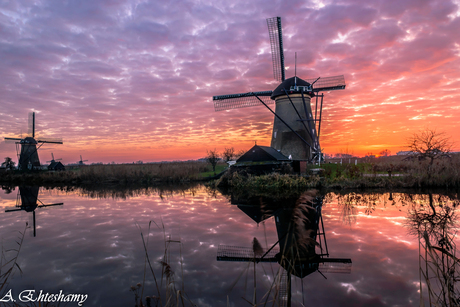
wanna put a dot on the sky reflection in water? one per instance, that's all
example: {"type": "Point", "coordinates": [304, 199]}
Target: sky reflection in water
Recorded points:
{"type": "Point", "coordinates": [93, 246]}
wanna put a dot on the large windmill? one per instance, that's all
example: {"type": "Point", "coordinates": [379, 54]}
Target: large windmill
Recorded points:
{"type": "Point", "coordinates": [295, 130]}
{"type": "Point", "coordinates": [28, 201]}
{"type": "Point", "coordinates": [26, 148]}
{"type": "Point", "coordinates": [302, 246]}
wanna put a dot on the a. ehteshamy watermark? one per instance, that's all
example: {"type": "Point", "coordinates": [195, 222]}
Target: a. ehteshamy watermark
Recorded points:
{"type": "Point", "coordinates": [26, 296]}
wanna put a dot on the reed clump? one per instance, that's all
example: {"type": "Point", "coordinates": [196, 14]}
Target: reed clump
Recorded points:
{"type": "Point", "coordinates": [240, 180]}
{"type": "Point", "coordinates": [8, 266]}
{"type": "Point", "coordinates": [168, 292]}
{"type": "Point", "coordinates": [410, 173]}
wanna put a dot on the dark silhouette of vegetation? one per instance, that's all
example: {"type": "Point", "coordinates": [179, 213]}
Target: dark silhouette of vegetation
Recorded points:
{"type": "Point", "coordinates": [228, 154]}
{"type": "Point", "coordinates": [213, 157]}
{"type": "Point", "coordinates": [429, 144]}
{"type": "Point", "coordinates": [166, 291]}
{"type": "Point", "coordinates": [239, 153]}
{"type": "Point", "coordinates": [385, 153]}
{"type": "Point", "coordinates": [117, 174]}
{"type": "Point", "coordinates": [9, 163]}
{"type": "Point", "coordinates": [434, 224]}
{"type": "Point", "coordinates": [7, 267]}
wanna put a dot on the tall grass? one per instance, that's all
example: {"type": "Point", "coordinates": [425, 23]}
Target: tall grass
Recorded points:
{"type": "Point", "coordinates": [114, 174]}
{"type": "Point", "coordinates": [272, 183]}
{"type": "Point", "coordinates": [8, 266]}
{"type": "Point", "coordinates": [166, 292]}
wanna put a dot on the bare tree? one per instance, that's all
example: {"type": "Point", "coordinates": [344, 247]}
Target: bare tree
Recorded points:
{"type": "Point", "coordinates": [228, 153]}
{"type": "Point", "coordinates": [429, 144]}
{"type": "Point", "coordinates": [385, 153]}
{"type": "Point", "coordinates": [213, 158]}
{"type": "Point", "coordinates": [239, 153]}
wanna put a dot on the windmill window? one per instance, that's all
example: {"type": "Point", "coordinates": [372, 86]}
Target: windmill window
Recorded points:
{"type": "Point", "coordinates": [299, 88]}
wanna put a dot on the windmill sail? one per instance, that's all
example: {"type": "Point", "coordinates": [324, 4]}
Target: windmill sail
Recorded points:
{"type": "Point", "coordinates": [243, 100]}
{"type": "Point", "coordinates": [243, 254]}
{"type": "Point", "coordinates": [276, 42]}
{"type": "Point", "coordinates": [28, 201]}
{"type": "Point", "coordinates": [335, 265]}
{"type": "Point", "coordinates": [327, 84]}
{"type": "Point", "coordinates": [32, 124]}
{"type": "Point", "coordinates": [235, 101]}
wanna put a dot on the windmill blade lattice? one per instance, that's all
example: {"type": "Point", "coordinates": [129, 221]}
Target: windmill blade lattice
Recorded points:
{"type": "Point", "coordinates": [335, 265]}
{"type": "Point", "coordinates": [276, 43]}
{"type": "Point", "coordinates": [243, 254]}
{"type": "Point", "coordinates": [50, 140]}
{"type": "Point", "coordinates": [235, 101]}
{"type": "Point", "coordinates": [328, 83]}
{"type": "Point", "coordinates": [31, 131]}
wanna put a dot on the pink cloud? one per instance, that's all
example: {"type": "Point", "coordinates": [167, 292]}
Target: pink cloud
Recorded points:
{"type": "Point", "coordinates": [125, 71]}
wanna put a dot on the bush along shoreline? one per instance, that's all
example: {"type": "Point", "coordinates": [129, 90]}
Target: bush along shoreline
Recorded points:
{"type": "Point", "coordinates": [443, 174]}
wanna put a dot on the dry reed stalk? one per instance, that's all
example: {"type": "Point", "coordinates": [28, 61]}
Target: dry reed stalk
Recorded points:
{"type": "Point", "coordinates": [173, 296]}
{"type": "Point", "coordinates": [444, 269]}
{"type": "Point", "coordinates": [13, 262]}
{"type": "Point", "coordinates": [150, 265]}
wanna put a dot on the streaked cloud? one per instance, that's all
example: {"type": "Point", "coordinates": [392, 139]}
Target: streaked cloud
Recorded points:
{"type": "Point", "coordinates": [133, 80]}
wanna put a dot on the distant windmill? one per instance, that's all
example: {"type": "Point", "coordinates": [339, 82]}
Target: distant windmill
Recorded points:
{"type": "Point", "coordinates": [52, 159]}
{"type": "Point", "coordinates": [26, 148]}
{"type": "Point", "coordinates": [81, 161]}
{"type": "Point", "coordinates": [28, 201]}
{"type": "Point", "coordinates": [295, 130]}
{"type": "Point", "coordinates": [55, 164]}
{"type": "Point", "coordinates": [297, 247]}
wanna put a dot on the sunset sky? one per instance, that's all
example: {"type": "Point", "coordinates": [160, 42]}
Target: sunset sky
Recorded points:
{"type": "Point", "coordinates": [133, 80]}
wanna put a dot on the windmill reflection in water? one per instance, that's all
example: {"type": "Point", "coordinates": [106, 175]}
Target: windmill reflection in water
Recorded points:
{"type": "Point", "coordinates": [301, 248]}
{"type": "Point", "coordinates": [27, 147]}
{"type": "Point", "coordinates": [28, 201]}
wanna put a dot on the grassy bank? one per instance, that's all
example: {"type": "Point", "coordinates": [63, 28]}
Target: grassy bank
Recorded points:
{"type": "Point", "coordinates": [174, 172]}
{"type": "Point", "coordinates": [443, 173]}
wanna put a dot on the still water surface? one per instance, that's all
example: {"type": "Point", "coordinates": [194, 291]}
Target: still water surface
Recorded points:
{"type": "Point", "coordinates": [91, 243]}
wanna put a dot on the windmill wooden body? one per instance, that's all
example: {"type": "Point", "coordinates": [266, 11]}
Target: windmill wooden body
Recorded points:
{"type": "Point", "coordinates": [26, 148]}
{"type": "Point", "coordinates": [301, 248]}
{"type": "Point", "coordinates": [28, 201]}
{"type": "Point", "coordinates": [296, 130]}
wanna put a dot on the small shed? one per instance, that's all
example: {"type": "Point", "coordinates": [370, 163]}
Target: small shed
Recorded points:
{"type": "Point", "coordinates": [263, 154]}
{"type": "Point", "coordinates": [56, 166]}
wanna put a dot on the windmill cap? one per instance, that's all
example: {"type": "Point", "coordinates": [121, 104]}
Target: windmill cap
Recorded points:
{"type": "Point", "coordinates": [289, 85]}
{"type": "Point", "coordinates": [28, 140]}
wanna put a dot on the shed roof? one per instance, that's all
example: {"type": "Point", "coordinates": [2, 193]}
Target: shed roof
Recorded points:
{"type": "Point", "coordinates": [56, 165]}
{"type": "Point", "coordinates": [262, 153]}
